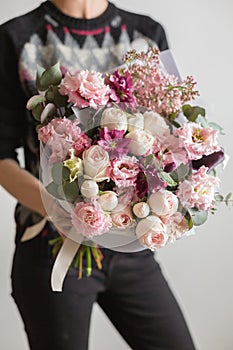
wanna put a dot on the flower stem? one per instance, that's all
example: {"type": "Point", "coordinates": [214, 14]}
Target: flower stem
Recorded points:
{"type": "Point", "coordinates": [89, 261]}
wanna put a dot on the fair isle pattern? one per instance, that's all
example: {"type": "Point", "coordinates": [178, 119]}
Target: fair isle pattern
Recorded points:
{"type": "Point", "coordinates": [73, 57]}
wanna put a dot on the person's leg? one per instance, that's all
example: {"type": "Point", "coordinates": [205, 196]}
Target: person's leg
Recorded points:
{"type": "Point", "coordinates": [52, 320]}
{"type": "Point", "coordinates": [141, 305]}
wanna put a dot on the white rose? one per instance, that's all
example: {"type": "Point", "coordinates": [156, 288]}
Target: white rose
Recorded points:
{"type": "Point", "coordinates": [114, 119]}
{"type": "Point", "coordinates": [95, 163]}
{"type": "Point", "coordinates": [135, 122]}
{"type": "Point", "coordinates": [155, 124]}
{"type": "Point", "coordinates": [108, 201]}
{"type": "Point", "coordinates": [141, 142]}
{"type": "Point", "coordinates": [89, 189]}
{"type": "Point", "coordinates": [141, 210]}
{"type": "Point", "coordinates": [151, 233]}
{"type": "Point", "coordinates": [163, 203]}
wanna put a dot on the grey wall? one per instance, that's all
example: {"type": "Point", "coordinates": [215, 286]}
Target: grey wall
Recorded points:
{"type": "Point", "coordinates": [199, 269]}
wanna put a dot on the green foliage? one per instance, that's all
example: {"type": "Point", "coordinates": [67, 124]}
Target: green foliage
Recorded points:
{"type": "Point", "coordinates": [47, 77]}
{"type": "Point", "coordinates": [34, 101]}
{"type": "Point", "coordinates": [192, 112]}
{"type": "Point", "coordinates": [53, 96]}
{"type": "Point", "coordinates": [199, 217]}
{"type": "Point", "coordinates": [37, 111]}
{"type": "Point", "coordinates": [167, 178]}
{"type": "Point", "coordinates": [181, 173]}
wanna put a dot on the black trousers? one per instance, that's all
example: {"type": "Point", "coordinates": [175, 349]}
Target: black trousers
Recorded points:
{"type": "Point", "coordinates": [130, 289]}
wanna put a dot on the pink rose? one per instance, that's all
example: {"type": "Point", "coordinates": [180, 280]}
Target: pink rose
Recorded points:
{"type": "Point", "coordinates": [85, 89]}
{"type": "Point", "coordinates": [124, 171]}
{"type": "Point", "coordinates": [197, 141]}
{"type": "Point", "coordinates": [122, 217]}
{"type": "Point", "coordinates": [198, 190]}
{"type": "Point", "coordinates": [163, 203]}
{"type": "Point", "coordinates": [151, 233]}
{"type": "Point", "coordinates": [96, 162]}
{"type": "Point", "coordinates": [89, 220]}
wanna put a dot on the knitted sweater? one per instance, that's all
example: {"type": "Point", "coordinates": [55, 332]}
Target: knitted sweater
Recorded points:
{"type": "Point", "coordinates": [45, 36]}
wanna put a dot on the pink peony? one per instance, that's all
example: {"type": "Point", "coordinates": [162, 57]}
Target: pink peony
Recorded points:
{"type": "Point", "coordinates": [85, 89]}
{"type": "Point", "coordinates": [197, 141]}
{"type": "Point", "coordinates": [124, 171]}
{"type": "Point", "coordinates": [89, 220]}
{"type": "Point", "coordinates": [199, 190]}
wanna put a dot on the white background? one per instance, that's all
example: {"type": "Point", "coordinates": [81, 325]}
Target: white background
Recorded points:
{"type": "Point", "coordinates": [199, 269]}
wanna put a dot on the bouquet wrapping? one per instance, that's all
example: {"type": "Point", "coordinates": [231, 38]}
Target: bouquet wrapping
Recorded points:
{"type": "Point", "coordinates": [130, 162]}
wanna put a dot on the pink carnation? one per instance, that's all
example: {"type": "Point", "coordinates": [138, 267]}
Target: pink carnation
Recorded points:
{"type": "Point", "coordinates": [85, 89]}
{"type": "Point", "coordinates": [89, 220]}
{"type": "Point", "coordinates": [197, 141]}
{"type": "Point", "coordinates": [81, 144]}
{"type": "Point", "coordinates": [61, 126]}
{"type": "Point", "coordinates": [124, 171]}
{"type": "Point", "coordinates": [199, 190]}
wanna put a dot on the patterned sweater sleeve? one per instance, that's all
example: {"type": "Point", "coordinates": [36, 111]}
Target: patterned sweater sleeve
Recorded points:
{"type": "Point", "coordinates": [12, 100]}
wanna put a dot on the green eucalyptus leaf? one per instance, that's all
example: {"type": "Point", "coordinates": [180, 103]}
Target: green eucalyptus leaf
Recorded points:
{"type": "Point", "coordinates": [71, 191]}
{"type": "Point", "coordinates": [53, 96]}
{"type": "Point", "coordinates": [218, 198]}
{"type": "Point", "coordinates": [192, 112]}
{"type": "Point", "coordinates": [215, 126]}
{"type": "Point", "coordinates": [37, 111]}
{"type": "Point", "coordinates": [57, 171]}
{"type": "Point", "coordinates": [40, 71]}
{"type": "Point", "coordinates": [181, 173]}
{"type": "Point", "coordinates": [66, 173]}
{"type": "Point", "coordinates": [202, 121]}
{"type": "Point", "coordinates": [52, 188]}
{"type": "Point", "coordinates": [49, 111]}
{"type": "Point", "coordinates": [34, 101]}
{"type": "Point", "coordinates": [51, 76]}
{"type": "Point", "coordinates": [150, 160]}
{"type": "Point", "coordinates": [199, 217]}
{"type": "Point", "coordinates": [228, 197]}
{"type": "Point", "coordinates": [167, 178]}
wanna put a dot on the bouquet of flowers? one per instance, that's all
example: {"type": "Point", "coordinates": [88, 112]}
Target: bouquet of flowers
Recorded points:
{"type": "Point", "coordinates": [125, 156]}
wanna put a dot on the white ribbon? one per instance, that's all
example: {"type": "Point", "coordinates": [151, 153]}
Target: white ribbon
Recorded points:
{"type": "Point", "coordinates": [34, 230]}
{"type": "Point", "coordinates": [62, 263]}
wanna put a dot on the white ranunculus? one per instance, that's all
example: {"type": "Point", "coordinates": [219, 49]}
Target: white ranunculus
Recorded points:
{"type": "Point", "coordinates": [151, 232]}
{"type": "Point", "coordinates": [108, 200]}
{"type": "Point", "coordinates": [141, 142]}
{"type": "Point", "coordinates": [89, 189]}
{"type": "Point", "coordinates": [163, 203]}
{"type": "Point", "coordinates": [136, 122]}
{"type": "Point", "coordinates": [141, 210]}
{"type": "Point", "coordinates": [114, 119]}
{"type": "Point", "coordinates": [95, 163]}
{"type": "Point", "coordinates": [155, 124]}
